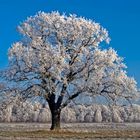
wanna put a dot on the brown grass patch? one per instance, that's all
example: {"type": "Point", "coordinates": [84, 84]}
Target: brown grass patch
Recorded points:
{"type": "Point", "coordinates": [71, 134]}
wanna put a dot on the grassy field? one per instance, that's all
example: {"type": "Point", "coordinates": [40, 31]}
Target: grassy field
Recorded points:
{"type": "Point", "coordinates": [41, 132]}
{"type": "Point", "coordinates": [73, 135]}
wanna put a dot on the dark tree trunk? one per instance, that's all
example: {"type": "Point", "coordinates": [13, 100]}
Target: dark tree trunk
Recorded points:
{"type": "Point", "coordinates": [55, 111]}
{"type": "Point", "coordinates": [55, 120]}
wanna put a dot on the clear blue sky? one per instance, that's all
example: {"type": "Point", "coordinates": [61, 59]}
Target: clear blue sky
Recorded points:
{"type": "Point", "coordinates": [120, 17]}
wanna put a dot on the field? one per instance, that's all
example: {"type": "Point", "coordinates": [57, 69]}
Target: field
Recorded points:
{"type": "Point", "coordinates": [86, 131]}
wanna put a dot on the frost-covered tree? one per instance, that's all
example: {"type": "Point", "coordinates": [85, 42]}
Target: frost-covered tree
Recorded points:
{"type": "Point", "coordinates": [110, 79]}
{"type": "Point", "coordinates": [59, 58]}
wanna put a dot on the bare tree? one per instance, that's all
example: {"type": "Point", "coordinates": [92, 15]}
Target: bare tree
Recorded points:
{"type": "Point", "coordinates": [58, 59]}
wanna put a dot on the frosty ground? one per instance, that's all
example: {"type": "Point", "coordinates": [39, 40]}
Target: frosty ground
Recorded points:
{"type": "Point", "coordinates": [40, 131]}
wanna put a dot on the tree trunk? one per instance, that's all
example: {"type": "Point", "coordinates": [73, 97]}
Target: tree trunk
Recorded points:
{"type": "Point", "coordinates": [55, 120]}
{"type": "Point", "coordinates": [55, 111]}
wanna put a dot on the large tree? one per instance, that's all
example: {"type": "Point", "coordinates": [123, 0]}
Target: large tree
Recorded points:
{"type": "Point", "coordinates": [59, 58]}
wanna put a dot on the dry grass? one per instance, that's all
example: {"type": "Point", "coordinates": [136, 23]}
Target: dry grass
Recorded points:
{"type": "Point", "coordinates": [70, 134]}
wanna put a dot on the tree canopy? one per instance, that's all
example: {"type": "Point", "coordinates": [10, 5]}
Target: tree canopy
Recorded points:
{"type": "Point", "coordinates": [59, 58]}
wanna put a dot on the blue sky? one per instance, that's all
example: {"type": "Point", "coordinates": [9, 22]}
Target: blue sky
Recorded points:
{"type": "Point", "coordinates": [120, 17]}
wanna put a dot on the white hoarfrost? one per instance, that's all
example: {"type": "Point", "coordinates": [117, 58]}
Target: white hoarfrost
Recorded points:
{"type": "Point", "coordinates": [44, 115]}
{"type": "Point", "coordinates": [89, 117]}
{"type": "Point", "coordinates": [59, 58]}
{"type": "Point", "coordinates": [98, 115]}
{"type": "Point", "coordinates": [78, 113]}
{"type": "Point", "coordinates": [35, 116]}
{"type": "Point", "coordinates": [61, 55]}
{"type": "Point", "coordinates": [68, 115]}
{"type": "Point", "coordinates": [116, 117]}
